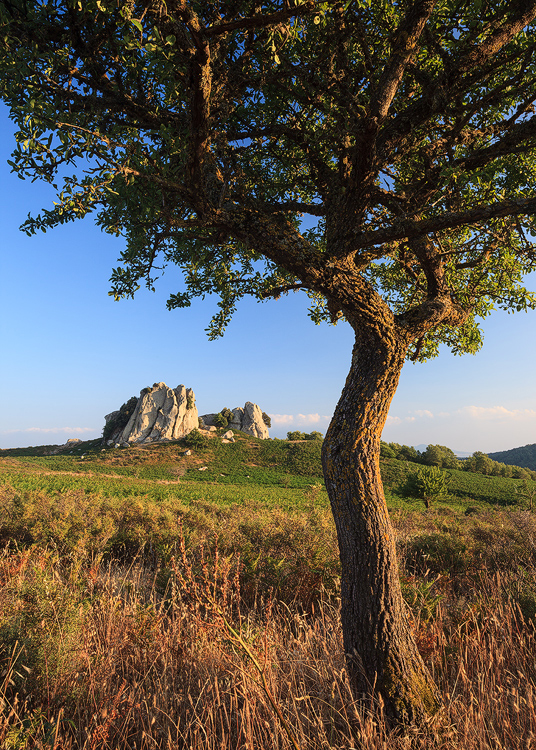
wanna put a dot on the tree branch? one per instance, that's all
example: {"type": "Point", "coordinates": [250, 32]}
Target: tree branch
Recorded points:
{"type": "Point", "coordinates": [261, 20]}
{"type": "Point", "coordinates": [408, 35]}
{"type": "Point", "coordinates": [279, 290]}
{"type": "Point", "coordinates": [498, 39]}
{"type": "Point", "coordinates": [414, 229]}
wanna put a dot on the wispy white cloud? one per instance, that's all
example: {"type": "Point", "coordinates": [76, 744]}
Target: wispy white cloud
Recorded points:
{"type": "Point", "coordinates": [299, 420]}
{"type": "Point", "coordinates": [496, 412]}
{"type": "Point", "coordinates": [424, 413]}
{"type": "Point", "coordinates": [393, 420]}
{"type": "Point", "coordinates": [77, 430]}
{"type": "Point", "coordinates": [282, 418]}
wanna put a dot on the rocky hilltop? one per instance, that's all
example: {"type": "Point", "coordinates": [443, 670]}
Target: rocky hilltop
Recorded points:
{"type": "Point", "coordinates": [248, 419]}
{"type": "Point", "coordinates": [162, 413]}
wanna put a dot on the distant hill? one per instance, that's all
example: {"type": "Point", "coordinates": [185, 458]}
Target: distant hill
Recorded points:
{"type": "Point", "coordinates": [524, 456]}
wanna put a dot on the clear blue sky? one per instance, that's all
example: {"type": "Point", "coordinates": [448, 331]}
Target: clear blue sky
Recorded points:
{"type": "Point", "coordinates": [70, 354]}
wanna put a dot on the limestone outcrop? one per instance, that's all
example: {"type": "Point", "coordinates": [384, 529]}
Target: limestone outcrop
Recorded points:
{"type": "Point", "coordinates": [247, 418]}
{"type": "Point", "coordinates": [160, 414]}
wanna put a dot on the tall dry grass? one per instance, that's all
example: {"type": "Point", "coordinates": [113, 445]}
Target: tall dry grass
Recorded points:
{"type": "Point", "coordinates": [136, 656]}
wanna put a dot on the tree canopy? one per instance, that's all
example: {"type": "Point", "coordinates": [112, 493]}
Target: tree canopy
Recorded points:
{"type": "Point", "coordinates": [206, 133]}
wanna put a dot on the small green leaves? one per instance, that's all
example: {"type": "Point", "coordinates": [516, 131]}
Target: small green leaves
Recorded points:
{"type": "Point", "coordinates": [177, 155]}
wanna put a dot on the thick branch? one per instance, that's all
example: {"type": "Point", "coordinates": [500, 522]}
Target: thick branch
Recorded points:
{"type": "Point", "coordinates": [408, 35]}
{"type": "Point", "coordinates": [442, 89]}
{"type": "Point", "coordinates": [403, 230]}
{"type": "Point", "coordinates": [314, 209]}
{"type": "Point", "coordinates": [518, 138]}
{"type": "Point", "coordinates": [262, 20]}
{"type": "Point", "coordinates": [498, 39]}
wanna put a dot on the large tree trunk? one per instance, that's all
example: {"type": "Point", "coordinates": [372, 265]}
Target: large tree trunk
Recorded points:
{"type": "Point", "coordinates": [382, 657]}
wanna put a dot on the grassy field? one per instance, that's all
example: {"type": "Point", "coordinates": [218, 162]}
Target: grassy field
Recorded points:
{"type": "Point", "coordinates": [150, 598]}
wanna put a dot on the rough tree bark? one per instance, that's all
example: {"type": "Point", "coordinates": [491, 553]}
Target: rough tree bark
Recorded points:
{"type": "Point", "coordinates": [383, 660]}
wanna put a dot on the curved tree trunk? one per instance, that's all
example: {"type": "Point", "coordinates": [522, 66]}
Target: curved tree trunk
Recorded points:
{"type": "Point", "coordinates": [382, 657]}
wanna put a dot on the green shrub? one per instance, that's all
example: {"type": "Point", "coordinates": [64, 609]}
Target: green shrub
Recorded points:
{"type": "Point", "coordinates": [386, 451]}
{"type": "Point", "coordinates": [224, 417]}
{"type": "Point", "coordinates": [266, 419]}
{"type": "Point", "coordinates": [296, 435]}
{"type": "Point", "coordinates": [196, 439]}
{"type": "Point", "coordinates": [428, 483]}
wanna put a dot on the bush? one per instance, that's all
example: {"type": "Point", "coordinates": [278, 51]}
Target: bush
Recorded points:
{"type": "Point", "coordinates": [386, 451]}
{"type": "Point", "coordinates": [196, 439]}
{"type": "Point", "coordinates": [428, 483]}
{"type": "Point", "coordinates": [266, 419]}
{"type": "Point", "coordinates": [296, 435]}
{"type": "Point", "coordinates": [223, 417]}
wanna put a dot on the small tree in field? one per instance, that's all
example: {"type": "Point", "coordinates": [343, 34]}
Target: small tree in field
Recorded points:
{"type": "Point", "coordinates": [204, 133]}
{"type": "Point", "coordinates": [428, 483]}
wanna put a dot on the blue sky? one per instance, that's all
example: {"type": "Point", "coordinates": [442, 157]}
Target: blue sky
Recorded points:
{"type": "Point", "coordinates": [70, 354]}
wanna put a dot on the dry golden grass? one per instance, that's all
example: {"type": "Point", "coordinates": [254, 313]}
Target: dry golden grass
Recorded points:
{"type": "Point", "coordinates": [116, 656]}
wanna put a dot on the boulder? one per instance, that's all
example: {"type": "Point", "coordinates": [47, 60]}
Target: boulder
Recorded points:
{"type": "Point", "coordinates": [252, 421]}
{"type": "Point", "coordinates": [161, 413]}
{"type": "Point", "coordinates": [71, 443]}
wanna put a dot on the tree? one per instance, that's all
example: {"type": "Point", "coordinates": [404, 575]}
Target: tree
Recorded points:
{"type": "Point", "coordinates": [223, 417]}
{"type": "Point", "coordinates": [296, 435]}
{"type": "Point", "coordinates": [204, 132]}
{"type": "Point", "coordinates": [386, 450]}
{"type": "Point", "coordinates": [480, 463]}
{"type": "Point", "coordinates": [440, 455]}
{"type": "Point", "coordinates": [428, 483]}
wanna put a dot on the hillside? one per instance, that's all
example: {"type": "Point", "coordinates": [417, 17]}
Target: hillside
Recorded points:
{"type": "Point", "coordinates": [140, 587]}
{"type": "Point", "coordinates": [524, 456]}
{"type": "Point", "coordinates": [281, 465]}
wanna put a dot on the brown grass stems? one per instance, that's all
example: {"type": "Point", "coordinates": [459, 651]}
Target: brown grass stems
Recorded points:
{"type": "Point", "coordinates": [137, 656]}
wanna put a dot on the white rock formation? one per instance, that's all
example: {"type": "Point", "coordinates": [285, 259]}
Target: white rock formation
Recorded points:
{"type": "Point", "coordinates": [247, 418]}
{"type": "Point", "coordinates": [161, 413]}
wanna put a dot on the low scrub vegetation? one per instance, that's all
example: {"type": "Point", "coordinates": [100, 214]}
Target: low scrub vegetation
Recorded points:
{"type": "Point", "coordinates": [145, 603]}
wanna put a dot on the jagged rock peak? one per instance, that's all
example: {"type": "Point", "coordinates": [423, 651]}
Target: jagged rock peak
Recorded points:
{"type": "Point", "coordinates": [161, 413]}
{"type": "Point", "coordinates": [246, 419]}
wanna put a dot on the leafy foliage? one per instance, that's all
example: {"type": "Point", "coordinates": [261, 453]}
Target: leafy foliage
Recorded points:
{"type": "Point", "coordinates": [428, 483]}
{"type": "Point", "coordinates": [297, 435]}
{"type": "Point", "coordinates": [440, 455]}
{"type": "Point", "coordinates": [196, 439]}
{"type": "Point", "coordinates": [223, 418]}
{"type": "Point", "coordinates": [204, 134]}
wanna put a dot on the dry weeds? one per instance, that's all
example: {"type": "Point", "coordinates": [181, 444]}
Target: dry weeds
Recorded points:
{"type": "Point", "coordinates": [141, 657]}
